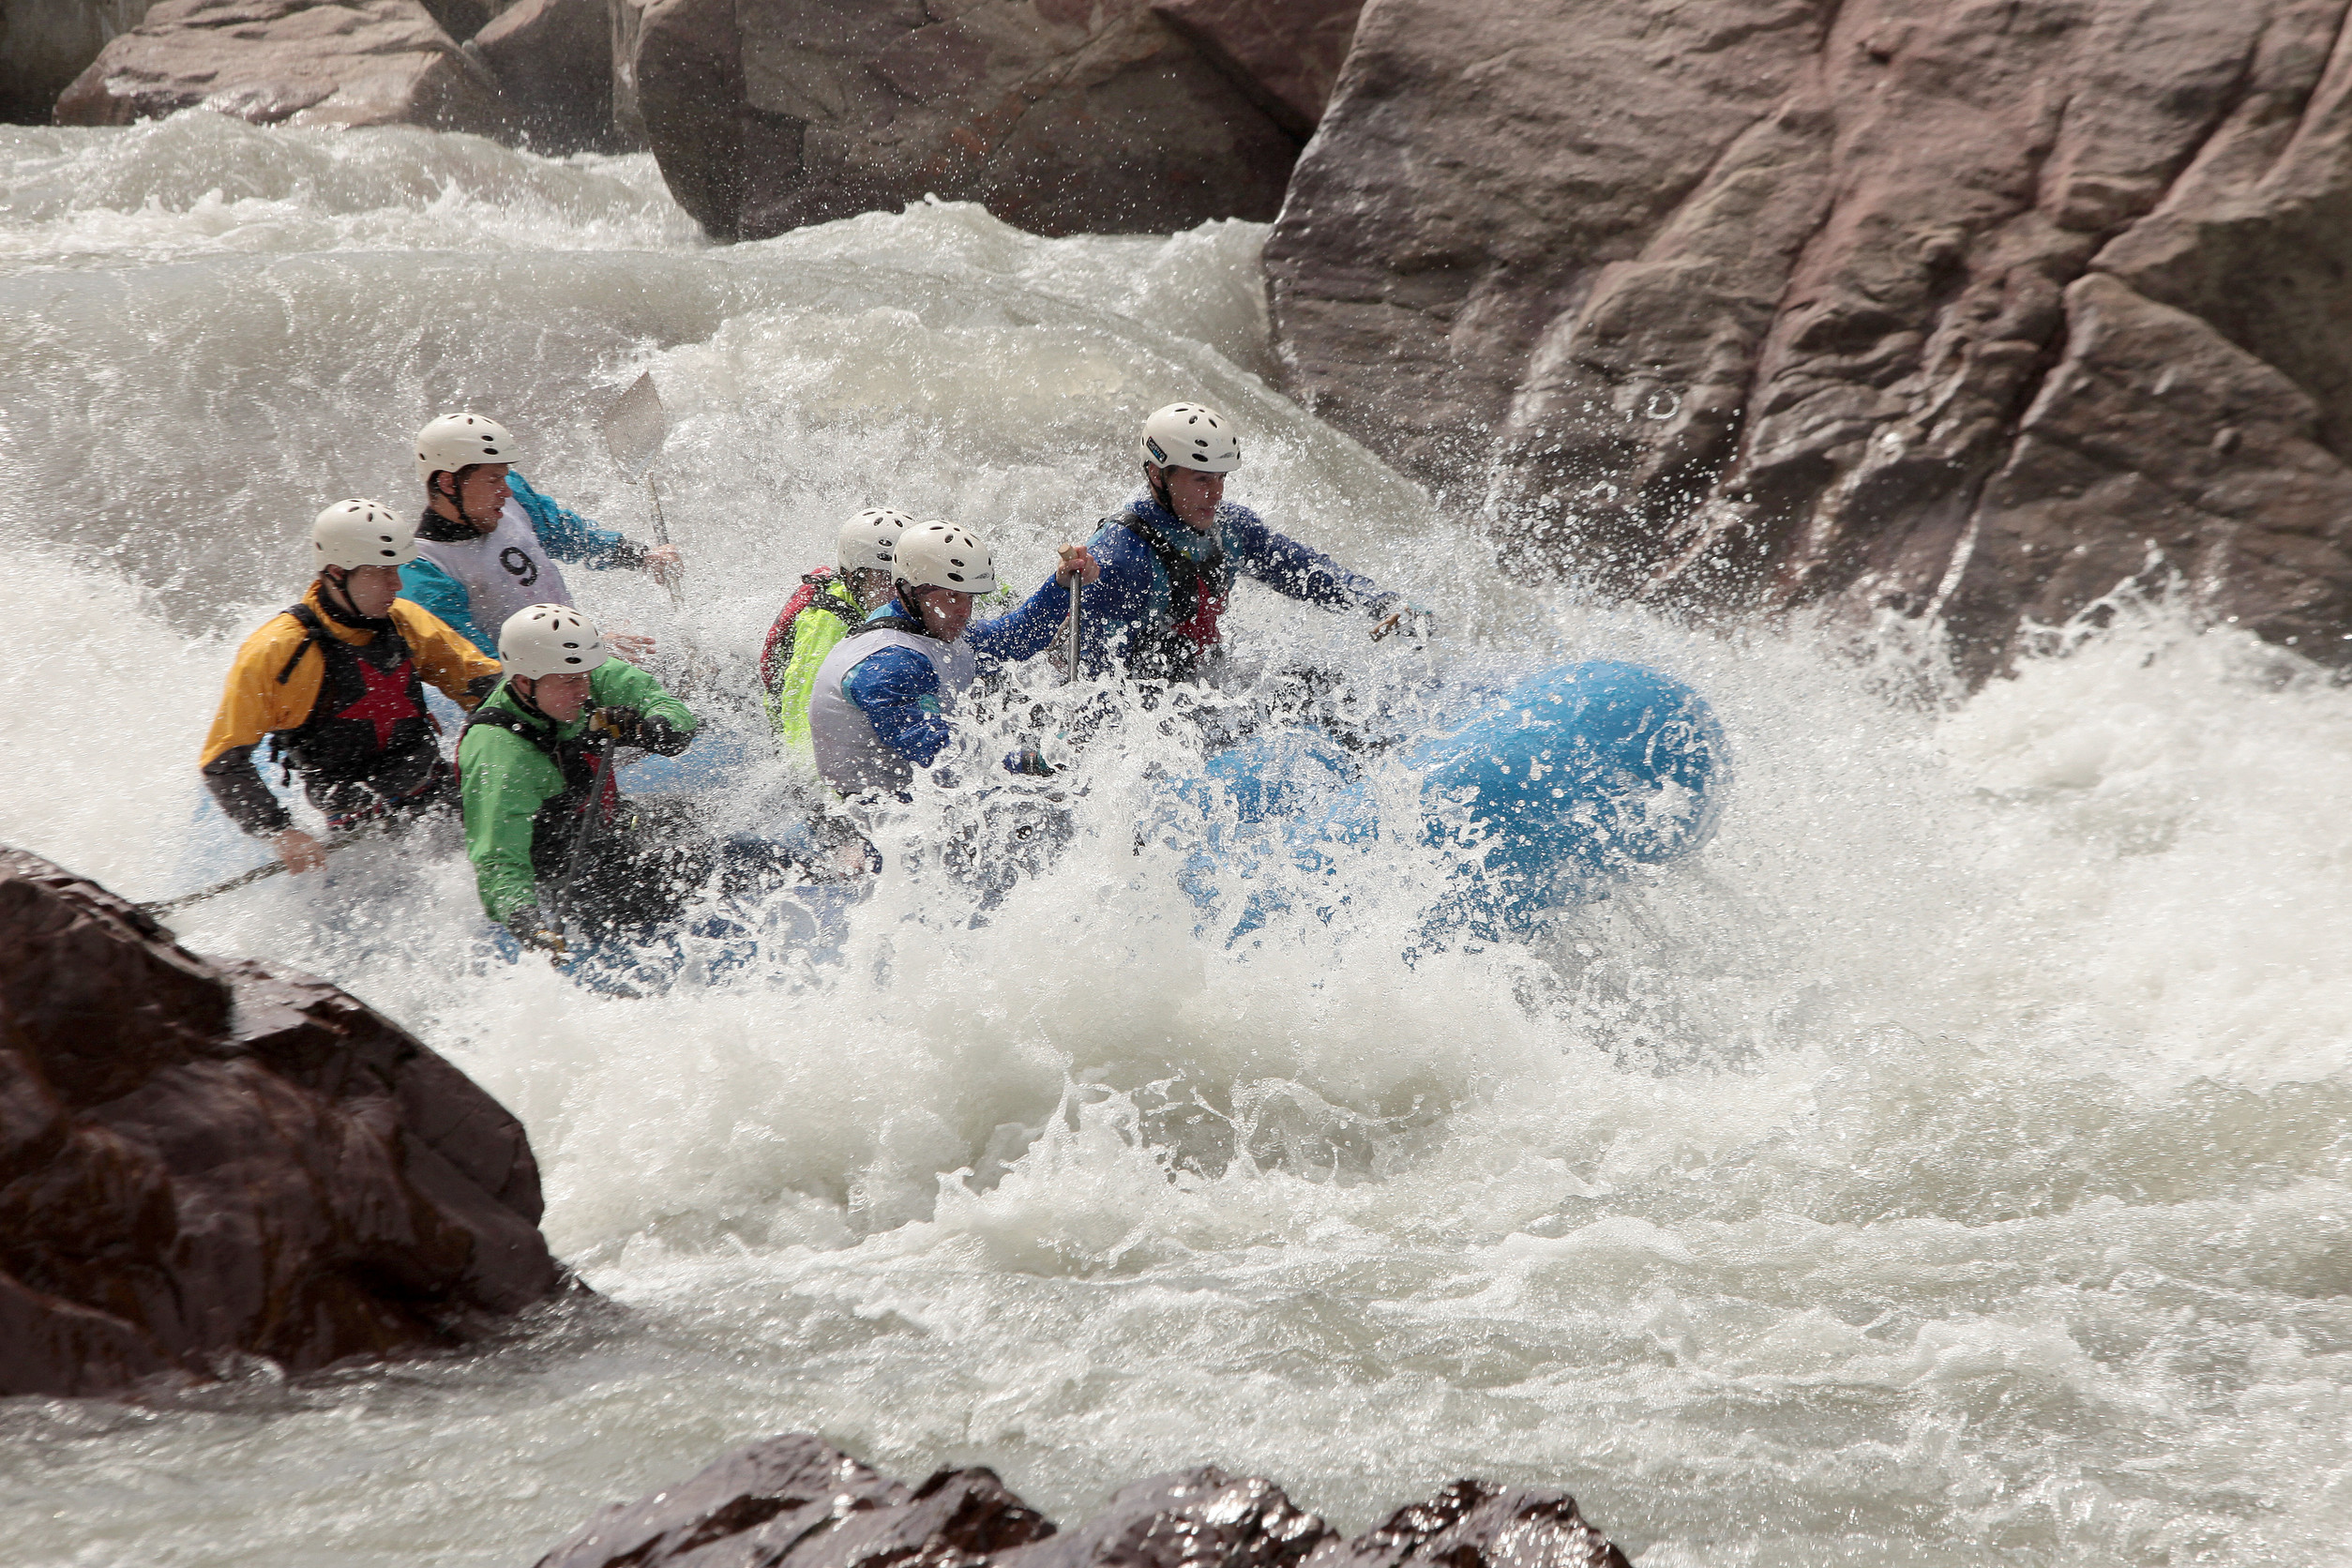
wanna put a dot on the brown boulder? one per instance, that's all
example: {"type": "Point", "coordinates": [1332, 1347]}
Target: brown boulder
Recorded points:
{"type": "Point", "coordinates": [44, 45]}
{"type": "Point", "coordinates": [199, 1159]}
{"type": "Point", "coordinates": [1472, 1524]}
{"type": "Point", "coordinates": [1061, 115]}
{"type": "Point", "coordinates": [1286, 54]}
{"type": "Point", "coordinates": [554, 61]}
{"type": "Point", "coordinates": [796, 1501]}
{"type": "Point", "coordinates": [301, 62]}
{"type": "Point", "coordinates": [1767, 302]}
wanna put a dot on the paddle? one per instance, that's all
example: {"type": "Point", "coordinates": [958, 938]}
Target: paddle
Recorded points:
{"type": "Point", "coordinates": [1071, 674]}
{"type": "Point", "coordinates": [163, 906]}
{"type": "Point", "coordinates": [634, 432]}
{"type": "Point", "coordinates": [579, 844]}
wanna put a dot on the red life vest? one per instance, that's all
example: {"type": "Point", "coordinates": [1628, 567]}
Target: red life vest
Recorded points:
{"type": "Point", "coordinates": [1175, 652]}
{"type": "Point", "coordinates": [822, 589]}
{"type": "Point", "coordinates": [1200, 626]}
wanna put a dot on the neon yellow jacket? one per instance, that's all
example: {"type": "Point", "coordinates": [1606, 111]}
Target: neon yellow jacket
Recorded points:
{"type": "Point", "coordinates": [816, 632]}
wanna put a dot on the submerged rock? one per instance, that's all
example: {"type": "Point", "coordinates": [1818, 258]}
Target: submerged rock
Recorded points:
{"type": "Point", "coordinates": [201, 1160]}
{"type": "Point", "coordinates": [302, 62]}
{"type": "Point", "coordinates": [798, 1501]}
{"type": "Point", "coordinates": [1061, 115]}
{"type": "Point", "coordinates": [1966, 311]}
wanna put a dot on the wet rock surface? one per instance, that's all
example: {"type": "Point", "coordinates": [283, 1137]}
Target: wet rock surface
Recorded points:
{"type": "Point", "coordinates": [1285, 54]}
{"type": "Point", "coordinates": [798, 1499]}
{"type": "Point", "coordinates": [1975, 311]}
{"type": "Point", "coordinates": [1060, 115]}
{"type": "Point", "coordinates": [351, 63]}
{"type": "Point", "coordinates": [199, 1160]}
{"type": "Point", "coordinates": [554, 61]}
{"type": "Point", "coordinates": [44, 45]}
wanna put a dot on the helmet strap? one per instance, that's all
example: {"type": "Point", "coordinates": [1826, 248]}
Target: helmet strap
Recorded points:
{"type": "Point", "coordinates": [338, 588]}
{"type": "Point", "coordinates": [454, 495]}
{"type": "Point", "coordinates": [910, 607]}
{"type": "Point", "coordinates": [1155, 480]}
{"type": "Point", "coordinates": [335, 590]}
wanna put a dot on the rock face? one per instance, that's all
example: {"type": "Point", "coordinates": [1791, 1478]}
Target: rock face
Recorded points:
{"type": "Point", "coordinates": [798, 1501]}
{"type": "Point", "coordinates": [1967, 308]}
{"type": "Point", "coordinates": [1061, 115]}
{"type": "Point", "coordinates": [1285, 54]}
{"type": "Point", "coordinates": [44, 45]}
{"type": "Point", "coordinates": [350, 63]}
{"type": "Point", "coordinates": [198, 1160]}
{"type": "Point", "coordinates": [554, 61]}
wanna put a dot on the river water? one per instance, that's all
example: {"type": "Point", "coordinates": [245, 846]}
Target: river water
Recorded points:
{"type": "Point", "coordinates": [1949, 1164]}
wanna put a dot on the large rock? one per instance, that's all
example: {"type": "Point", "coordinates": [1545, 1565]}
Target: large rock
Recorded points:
{"type": "Point", "coordinates": [1286, 54]}
{"type": "Point", "coordinates": [198, 1160]}
{"type": "Point", "coordinates": [302, 62]}
{"type": "Point", "coordinates": [1972, 311]}
{"type": "Point", "coordinates": [1061, 115]}
{"type": "Point", "coordinates": [554, 61]}
{"type": "Point", "coordinates": [44, 45]}
{"type": "Point", "coordinates": [796, 1501]}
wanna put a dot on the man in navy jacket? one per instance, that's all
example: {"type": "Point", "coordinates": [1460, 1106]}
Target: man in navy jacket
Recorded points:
{"type": "Point", "coordinates": [1170, 559]}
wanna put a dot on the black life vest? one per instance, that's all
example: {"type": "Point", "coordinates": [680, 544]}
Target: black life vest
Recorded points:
{"type": "Point", "coordinates": [841, 606]}
{"type": "Point", "coordinates": [369, 736]}
{"type": "Point", "coordinates": [1196, 595]}
{"type": "Point", "coordinates": [556, 824]}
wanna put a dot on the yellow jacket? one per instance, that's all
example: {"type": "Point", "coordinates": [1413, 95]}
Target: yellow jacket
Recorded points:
{"type": "Point", "coordinates": [254, 705]}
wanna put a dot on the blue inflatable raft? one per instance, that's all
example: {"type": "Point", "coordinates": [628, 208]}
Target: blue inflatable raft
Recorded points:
{"type": "Point", "coordinates": [1553, 790]}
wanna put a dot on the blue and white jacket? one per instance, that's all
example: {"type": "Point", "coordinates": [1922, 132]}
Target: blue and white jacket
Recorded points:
{"type": "Point", "coordinates": [885, 699]}
{"type": "Point", "coordinates": [473, 582]}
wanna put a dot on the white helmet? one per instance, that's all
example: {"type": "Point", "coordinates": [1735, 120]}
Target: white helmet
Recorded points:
{"type": "Point", "coordinates": [1189, 435]}
{"type": "Point", "coordinates": [939, 555]}
{"type": "Point", "coordinates": [550, 640]}
{"type": "Point", "coordinates": [869, 539]}
{"type": "Point", "coordinates": [362, 534]}
{"type": "Point", "coordinates": [457, 441]}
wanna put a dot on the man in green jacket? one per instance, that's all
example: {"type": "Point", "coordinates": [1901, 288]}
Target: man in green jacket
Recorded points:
{"type": "Point", "coordinates": [527, 765]}
{"type": "Point", "coordinates": [827, 607]}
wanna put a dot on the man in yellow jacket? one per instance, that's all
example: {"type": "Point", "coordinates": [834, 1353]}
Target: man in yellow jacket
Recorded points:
{"type": "Point", "coordinates": [830, 604]}
{"type": "Point", "coordinates": [334, 684]}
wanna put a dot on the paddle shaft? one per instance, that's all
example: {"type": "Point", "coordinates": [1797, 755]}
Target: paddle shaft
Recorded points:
{"type": "Point", "coordinates": [1077, 633]}
{"type": "Point", "coordinates": [587, 831]}
{"type": "Point", "coordinates": [661, 536]}
{"type": "Point", "coordinates": [259, 873]}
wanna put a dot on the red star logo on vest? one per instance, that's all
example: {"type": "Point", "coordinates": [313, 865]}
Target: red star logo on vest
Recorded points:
{"type": "Point", "coordinates": [386, 703]}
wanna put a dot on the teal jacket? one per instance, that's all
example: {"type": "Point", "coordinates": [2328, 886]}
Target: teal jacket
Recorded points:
{"type": "Point", "coordinates": [505, 780]}
{"type": "Point", "coordinates": [568, 536]}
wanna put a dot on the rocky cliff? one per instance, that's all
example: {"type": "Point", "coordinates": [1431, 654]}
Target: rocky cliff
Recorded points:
{"type": "Point", "coordinates": [1060, 115]}
{"type": "Point", "coordinates": [201, 1160]}
{"type": "Point", "coordinates": [1967, 308]}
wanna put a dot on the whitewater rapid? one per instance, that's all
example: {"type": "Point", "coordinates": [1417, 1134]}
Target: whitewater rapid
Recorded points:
{"type": "Point", "coordinates": [1949, 1164]}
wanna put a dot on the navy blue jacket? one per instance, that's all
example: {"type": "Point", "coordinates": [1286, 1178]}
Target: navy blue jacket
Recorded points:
{"type": "Point", "coordinates": [1133, 590]}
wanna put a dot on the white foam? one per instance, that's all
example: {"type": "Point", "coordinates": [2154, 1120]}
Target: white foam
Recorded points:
{"type": "Point", "coordinates": [1947, 1163]}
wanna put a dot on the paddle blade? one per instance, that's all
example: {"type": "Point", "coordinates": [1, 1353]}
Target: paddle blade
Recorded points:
{"type": "Point", "coordinates": [636, 427]}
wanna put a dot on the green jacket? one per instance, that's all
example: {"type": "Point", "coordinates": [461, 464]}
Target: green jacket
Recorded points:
{"type": "Point", "coordinates": [505, 780]}
{"type": "Point", "coordinates": [816, 632]}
